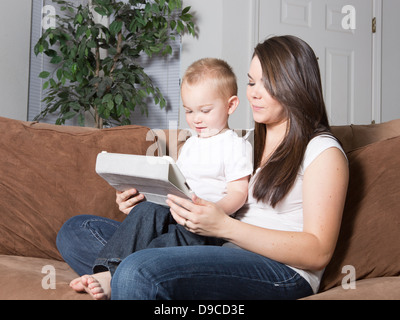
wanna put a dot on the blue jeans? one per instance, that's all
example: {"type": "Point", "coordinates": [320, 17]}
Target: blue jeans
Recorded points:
{"type": "Point", "coordinates": [150, 257]}
{"type": "Point", "coordinates": [205, 273]}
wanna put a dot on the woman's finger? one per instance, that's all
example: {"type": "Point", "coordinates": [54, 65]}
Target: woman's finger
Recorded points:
{"type": "Point", "coordinates": [178, 218]}
{"type": "Point", "coordinates": [184, 203]}
{"type": "Point", "coordinates": [178, 210]}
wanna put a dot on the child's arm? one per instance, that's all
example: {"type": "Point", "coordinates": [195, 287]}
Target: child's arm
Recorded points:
{"type": "Point", "coordinates": [236, 196]}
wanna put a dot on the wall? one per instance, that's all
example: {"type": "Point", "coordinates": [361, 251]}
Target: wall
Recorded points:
{"type": "Point", "coordinates": [225, 33]}
{"type": "Point", "coordinates": [15, 26]}
{"type": "Point", "coordinates": [390, 60]}
{"type": "Point", "coordinates": [228, 29]}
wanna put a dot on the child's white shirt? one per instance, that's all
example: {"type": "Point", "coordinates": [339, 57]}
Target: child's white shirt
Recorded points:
{"type": "Point", "coordinates": [208, 164]}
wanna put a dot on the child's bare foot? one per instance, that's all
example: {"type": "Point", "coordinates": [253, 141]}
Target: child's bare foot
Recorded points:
{"type": "Point", "coordinates": [97, 285]}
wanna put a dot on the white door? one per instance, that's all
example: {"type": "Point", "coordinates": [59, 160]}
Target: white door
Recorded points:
{"type": "Point", "coordinates": [345, 55]}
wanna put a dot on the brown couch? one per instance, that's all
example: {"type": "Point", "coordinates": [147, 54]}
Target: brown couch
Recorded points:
{"type": "Point", "coordinates": [47, 176]}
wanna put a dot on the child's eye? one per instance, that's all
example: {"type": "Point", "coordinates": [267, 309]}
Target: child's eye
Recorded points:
{"type": "Point", "coordinates": [206, 111]}
{"type": "Point", "coordinates": [188, 111]}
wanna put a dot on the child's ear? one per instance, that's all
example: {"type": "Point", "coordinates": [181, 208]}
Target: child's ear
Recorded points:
{"type": "Point", "coordinates": [233, 103]}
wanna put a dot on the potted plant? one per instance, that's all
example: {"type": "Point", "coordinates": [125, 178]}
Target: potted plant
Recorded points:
{"type": "Point", "coordinates": [111, 85]}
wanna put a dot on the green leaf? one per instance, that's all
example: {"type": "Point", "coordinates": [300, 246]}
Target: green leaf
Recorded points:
{"type": "Point", "coordinates": [100, 11]}
{"type": "Point", "coordinates": [44, 74]}
{"type": "Point", "coordinates": [53, 83]}
{"type": "Point", "coordinates": [79, 18]}
{"type": "Point", "coordinates": [91, 44]}
{"type": "Point", "coordinates": [69, 115]}
{"type": "Point", "coordinates": [118, 99]}
{"type": "Point", "coordinates": [56, 60]}
{"type": "Point", "coordinates": [116, 27]}
{"type": "Point", "coordinates": [127, 112]}
{"type": "Point", "coordinates": [168, 50]}
{"type": "Point", "coordinates": [81, 120]}
{"type": "Point", "coordinates": [186, 10]}
{"type": "Point", "coordinates": [108, 97]}
{"type": "Point", "coordinates": [75, 105]}
{"type": "Point", "coordinates": [110, 105]}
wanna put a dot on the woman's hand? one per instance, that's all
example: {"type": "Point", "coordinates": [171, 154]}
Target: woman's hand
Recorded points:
{"type": "Point", "coordinates": [127, 200]}
{"type": "Point", "coordinates": [200, 216]}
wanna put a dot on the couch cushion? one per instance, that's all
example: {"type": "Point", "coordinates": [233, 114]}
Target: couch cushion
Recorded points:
{"type": "Point", "coordinates": [48, 175]}
{"type": "Point", "coordinates": [386, 288]}
{"type": "Point", "coordinates": [369, 237]}
{"type": "Point", "coordinates": [357, 136]}
{"type": "Point", "coordinates": [24, 278]}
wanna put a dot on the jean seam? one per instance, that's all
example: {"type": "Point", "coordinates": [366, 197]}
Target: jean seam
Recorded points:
{"type": "Point", "coordinates": [95, 233]}
{"type": "Point", "coordinates": [290, 282]}
{"type": "Point", "coordinates": [190, 275]}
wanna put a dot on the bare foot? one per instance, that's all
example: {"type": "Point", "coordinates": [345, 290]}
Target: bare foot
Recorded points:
{"type": "Point", "coordinates": [98, 285]}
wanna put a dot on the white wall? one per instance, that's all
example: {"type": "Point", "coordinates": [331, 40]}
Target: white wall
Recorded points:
{"type": "Point", "coordinates": [391, 60]}
{"type": "Point", "coordinates": [228, 29]}
{"type": "Point", "coordinates": [15, 35]}
{"type": "Point", "coordinates": [225, 32]}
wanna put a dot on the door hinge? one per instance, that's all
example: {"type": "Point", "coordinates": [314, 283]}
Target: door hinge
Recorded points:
{"type": "Point", "coordinates": [374, 25]}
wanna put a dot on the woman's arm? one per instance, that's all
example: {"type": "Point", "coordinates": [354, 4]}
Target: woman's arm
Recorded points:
{"type": "Point", "coordinates": [324, 191]}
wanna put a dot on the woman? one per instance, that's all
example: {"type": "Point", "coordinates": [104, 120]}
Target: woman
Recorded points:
{"type": "Point", "coordinates": [280, 242]}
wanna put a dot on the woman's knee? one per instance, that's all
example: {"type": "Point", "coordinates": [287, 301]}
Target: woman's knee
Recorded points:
{"type": "Point", "coordinates": [134, 278]}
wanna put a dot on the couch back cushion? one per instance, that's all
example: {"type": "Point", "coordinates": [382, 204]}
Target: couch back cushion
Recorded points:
{"type": "Point", "coordinates": [357, 136]}
{"type": "Point", "coordinates": [369, 237]}
{"type": "Point", "coordinates": [47, 175]}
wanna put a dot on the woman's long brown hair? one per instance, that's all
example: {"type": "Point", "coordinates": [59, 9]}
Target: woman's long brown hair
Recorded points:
{"type": "Point", "coordinates": [292, 77]}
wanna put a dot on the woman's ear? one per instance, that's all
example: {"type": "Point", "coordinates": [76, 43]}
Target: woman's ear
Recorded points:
{"type": "Point", "coordinates": [233, 103]}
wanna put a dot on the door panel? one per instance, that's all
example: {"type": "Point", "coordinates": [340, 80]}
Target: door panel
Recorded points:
{"type": "Point", "coordinates": [345, 55]}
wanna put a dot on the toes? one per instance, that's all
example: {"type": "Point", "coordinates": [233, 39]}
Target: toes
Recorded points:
{"type": "Point", "coordinates": [95, 289]}
{"type": "Point", "coordinates": [77, 285]}
{"type": "Point", "coordinates": [85, 280]}
{"type": "Point", "coordinates": [89, 284]}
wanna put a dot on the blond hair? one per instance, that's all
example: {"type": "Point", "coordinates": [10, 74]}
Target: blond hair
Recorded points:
{"type": "Point", "coordinates": [215, 70]}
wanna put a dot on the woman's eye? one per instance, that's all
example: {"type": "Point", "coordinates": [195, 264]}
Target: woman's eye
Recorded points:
{"type": "Point", "coordinates": [251, 84]}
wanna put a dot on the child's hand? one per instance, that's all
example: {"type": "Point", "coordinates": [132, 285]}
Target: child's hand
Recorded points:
{"type": "Point", "coordinates": [128, 199]}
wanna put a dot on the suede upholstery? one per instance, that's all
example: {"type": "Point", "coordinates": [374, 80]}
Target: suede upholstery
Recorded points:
{"type": "Point", "coordinates": [47, 176]}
